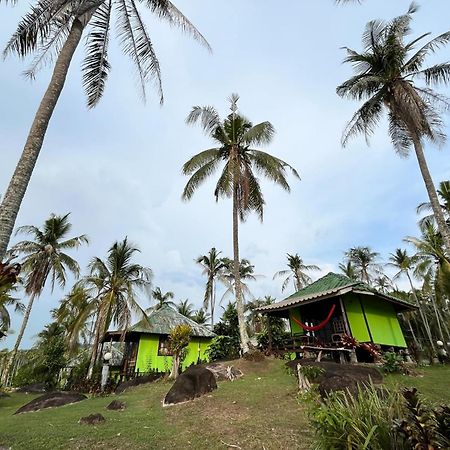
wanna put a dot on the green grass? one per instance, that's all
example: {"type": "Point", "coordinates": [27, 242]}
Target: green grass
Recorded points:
{"type": "Point", "coordinates": [433, 383]}
{"type": "Point", "coordinates": [258, 411]}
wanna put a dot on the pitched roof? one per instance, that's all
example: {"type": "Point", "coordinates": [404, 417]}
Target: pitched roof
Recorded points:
{"type": "Point", "coordinates": [330, 285]}
{"type": "Point", "coordinates": [164, 319]}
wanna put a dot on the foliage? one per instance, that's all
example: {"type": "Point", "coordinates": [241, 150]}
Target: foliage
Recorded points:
{"type": "Point", "coordinates": [392, 363]}
{"type": "Point", "coordinates": [312, 372]}
{"type": "Point", "coordinates": [185, 308]}
{"type": "Point", "coordinates": [297, 273]}
{"type": "Point", "coordinates": [363, 421]}
{"type": "Point", "coordinates": [200, 317]}
{"type": "Point", "coordinates": [179, 338]}
{"type": "Point", "coordinates": [162, 298]}
{"type": "Point", "coordinates": [223, 347]}
{"type": "Point", "coordinates": [364, 262]}
{"type": "Point", "coordinates": [424, 428]}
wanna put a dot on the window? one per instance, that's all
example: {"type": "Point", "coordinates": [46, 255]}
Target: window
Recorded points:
{"type": "Point", "coordinates": [163, 347]}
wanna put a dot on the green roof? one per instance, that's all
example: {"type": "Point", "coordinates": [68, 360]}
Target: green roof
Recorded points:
{"type": "Point", "coordinates": [164, 320]}
{"type": "Point", "coordinates": [331, 285]}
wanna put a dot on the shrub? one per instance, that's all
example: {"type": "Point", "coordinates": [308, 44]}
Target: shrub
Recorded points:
{"type": "Point", "coordinates": [364, 421]}
{"type": "Point", "coordinates": [223, 347]}
{"type": "Point", "coordinates": [392, 363]}
{"type": "Point", "coordinates": [312, 372]}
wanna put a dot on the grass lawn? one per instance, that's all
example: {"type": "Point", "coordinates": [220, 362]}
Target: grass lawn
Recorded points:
{"type": "Point", "coordinates": [433, 384]}
{"type": "Point", "coordinates": [259, 411]}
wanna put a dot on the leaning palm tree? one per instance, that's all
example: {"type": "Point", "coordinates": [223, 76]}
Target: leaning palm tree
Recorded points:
{"type": "Point", "coordinates": [386, 72]}
{"type": "Point", "coordinates": [213, 267]}
{"type": "Point", "coordinates": [162, 298]}
{"type": "Point", "coordinates": [364, 261]}
{"type": "Point", "coordinates": [296, 273]}
{"type": "Point", "coordinates": [234, 140]}
{"type": "Point", "coordinates": [114, 283]}
{"type": "Point", "coordinates": [54, 29]}
{"type": "Point", "coordinates": [185, 308]}
{"type": "Point", "coordinates": [44, 258]}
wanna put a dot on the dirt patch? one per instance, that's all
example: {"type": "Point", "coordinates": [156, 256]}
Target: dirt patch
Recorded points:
{"type": "Point", "coordinates": [37, 388]}
{"type": "Point", "coordinates": [255, 356]}
{"type": "Point", "coordinates": [51, 400]}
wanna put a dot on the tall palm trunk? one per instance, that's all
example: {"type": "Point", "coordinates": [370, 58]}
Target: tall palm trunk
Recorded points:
{"type": "Point", "coordinates": [12, 357]}
{"type": "Point", "coordinates": [95, 345]}
{"type": "Point", "coordinates": [213, 301]}
{"type": "Point", "coordinates": [12, 200]}
{"type": "Point", "coordinates": [437, 210]}
{"type": "Point", "coordinates": [422, 314]}
{"type": "Point", "coordinates": [413, 334]}
{"type": "Point", "coordinates": [237, 275]}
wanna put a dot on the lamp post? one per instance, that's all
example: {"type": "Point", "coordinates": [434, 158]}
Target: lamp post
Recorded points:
{"type": "Point", "coordinates": [105, 370]}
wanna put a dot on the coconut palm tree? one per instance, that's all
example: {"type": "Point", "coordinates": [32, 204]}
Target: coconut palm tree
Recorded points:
{"type": "Point", "coordinates": [162, 298]}
{"type": "Point", "coordinates": [386, 74]}
{"type": "Point", "coordinates": [296, 273]}
{"type": "Point", "coordinates": [213, 267]}
{"type": "Point", "coordinates": [364, 261]}
{"type": "Point", "coordinates": [185, 308]}
{"type": "Point", "coordinates": [348, 269]}
{"type": "Point", "coordinates": [75, 315]}
{"type": "Point", "coordinates": [444, 196]}
{"type": "Point", "coordinates": [114, 283]}
{"type": "Point", "coordinates": [201, 317]}
{"type": "Point", "coordinates": [44, 258]}
{"type": "Point", "coordinates": [405, 265]}
{"type": "Point", "coordinates": [54, 29]}
{"type": "Point", "coordinates": [234, 140]}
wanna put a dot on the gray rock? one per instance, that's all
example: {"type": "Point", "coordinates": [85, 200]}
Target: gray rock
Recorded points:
{"type": "Point", "coordinates": [92, 419]}
{"type": "Point", "coordinates": [116, 405]}
{"type": "Point", "coordinates": [51, 400]}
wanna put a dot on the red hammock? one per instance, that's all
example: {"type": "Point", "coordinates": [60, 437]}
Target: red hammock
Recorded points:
{"type": "Point", "coordinates": [316, 327]}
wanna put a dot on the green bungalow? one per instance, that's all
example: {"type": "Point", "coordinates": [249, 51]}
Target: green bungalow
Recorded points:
{"type": "Point", "coordinates": [146, 343]}
{"type": "Point", "coordinates": [321, 313]}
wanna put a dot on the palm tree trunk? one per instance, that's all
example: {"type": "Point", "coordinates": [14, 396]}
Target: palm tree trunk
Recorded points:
{"type": "Point", "coordinates": [422, 314]}
{"type": "Point", "coordinates": [95, 344]}
{"type": "Point", "coordinates": [438, 321]}
{"type": "Point", "coordinates": [213, 301]}
{"type": "Point", "coordinates": [413, 334]}
{"type": "Point", "coordinates": [237, 275]}
{"type": "Point", "coordinates": [437, 210]}
{"type": "Point", "coordinates": [12, 357]}
{"type": "Point", "coordinates": [12, 200]}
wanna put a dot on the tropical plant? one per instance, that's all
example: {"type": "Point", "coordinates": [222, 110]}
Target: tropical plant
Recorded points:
{"type": "Point", "coordinates": [75, 315]}
{"type": "Point", "coordinates": [444, 195]}
{"type": "Point", "coordinates": [348, 269]}
{"type": "Point", "coordinates": [185, 308]}
{"type": "Point", "coordinates": [213, 267]}
{"type": "Point", "coordinates": [162, 298]}
{"type": "Point", "coordinates": [227, 327]}
{"type": "Point", "coordinates": [200, 317]}
{"type": "Point", "coordinates": [44, 258]}
{"type": "Point", "coordinates": [383, 284]}
{"type": "Point", "coordinates": [246, 273]}
{"type": "Point", "coordinates": [179, 339]}
{"type": "Point", "coordinates": [234, 139]}
{"type": "Point", "coordinates": [114, 283]}
{"type": "Point", "coordinates": [364, 261]}
{"type": "Point", "coordinates": [54, 29]}
{"type": "Point", "coordinates": [297, 273]}
{"type": "Point", "coordinates": [386, 74]}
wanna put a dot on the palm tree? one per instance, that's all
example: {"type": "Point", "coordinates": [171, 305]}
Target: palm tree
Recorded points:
{"type": "Point", "coordinates": [200, 317]}
{"type": "Point", "coordinates": [385, 77]}
{"type": "Point", "coordinates": [8, 278]}
{"type": "Point", "coordinates": [296, 273]}
{"type": "Point", "coordinates": [444, 195]}
{"type": "Point", "coordinates": [185, 308]}
{"type": "Point", "coordinates": [405, 264]}
{"type": "Point", "coordinates": [383, 284]}
{"type": "Point", "coordinates": [234, 139]}
{"type": "Point", "coordinates": [75, 316]}
{"type": "Point", "coordinates": [255, 319]}
{"type": "Point", "coordinates": [363, 259]}
{"type": "Point", "coordinates": [114, 283]}
{"type": "Point", "coordinates": [44, 257]}
{"type": "Point", "coordinates": [162, 298]}
{"type": "Point", "coordinates": [55, 28]}
{"type": "Point", "coordinates": [213, 267]}
{"type": "Point", "coordinates": [348, 269]}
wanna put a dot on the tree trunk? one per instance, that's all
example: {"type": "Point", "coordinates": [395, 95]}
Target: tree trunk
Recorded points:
{"type": "Point", "coordinates": [12, 200]}
{"type": "Point", "coordinates": [95, 344]}
{"type": "Point", "coordinates": [237, 275]}
{"type": "Point", "coordinates": [438, 321]}
{"type": "Point", "coordinates": [413, 334]}
{"type": "Point", "coordinates": [213, 301]}
{"type": "Point", "coordinates": [12, 357]}
{"type": "Point", "coordinates": [422, 314]}
{"type": "Point", "coordinates": [175, 366]}
{"type": "Point", "coordinates": [437, 210]}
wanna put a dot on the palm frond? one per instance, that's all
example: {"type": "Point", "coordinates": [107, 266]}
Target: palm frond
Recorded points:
{"type": "Point", "coordinates": [259, 134]}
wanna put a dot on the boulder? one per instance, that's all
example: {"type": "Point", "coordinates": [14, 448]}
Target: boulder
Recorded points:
{"type": "Point", "coordinates": [92, 419]}
{"type": "Point", "coordinates": [4, 395]}
{"type": "Point", "coordinates": [51, 400]}
{"type": "Point", "coordinates": [338, 383]}
{"type": "Point", "coordinates": [137, 381]}
{"type": "Point", "coordinates": [194, 382]}
{"type": "Point", "coordinates": [224, 372]}
{"type": "Point", "coordinates": [36, 388]}
{"type": "Point", "coordinates": [116, 405]}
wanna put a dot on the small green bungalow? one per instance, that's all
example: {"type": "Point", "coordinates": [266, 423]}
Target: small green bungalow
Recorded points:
{"type": "Point", "coordinates": [146, 343]}
{"type": "Point", "coordinates": [321, 313]}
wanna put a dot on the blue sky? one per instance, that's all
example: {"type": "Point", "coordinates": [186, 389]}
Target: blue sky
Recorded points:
{"type": "Point", "coordinates": [117, 168]}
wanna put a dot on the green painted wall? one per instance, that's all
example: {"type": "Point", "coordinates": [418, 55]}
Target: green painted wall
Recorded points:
{"type": "Point", "coordinates": [295, 328]}
{"type": "Point", "coordinates": [383, 322]}
{"type": "Point", "coordinates": [148, 359]}
{"type": "Point", "coordinates": [355, 318]}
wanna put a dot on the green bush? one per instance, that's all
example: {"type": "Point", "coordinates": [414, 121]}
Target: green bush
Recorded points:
{"type": "Point", "coordinates": [364, 421]}
{"type": "Point", "coordinates": [223, 347]}
{"type": "Point", "coordinates": [392, 363]}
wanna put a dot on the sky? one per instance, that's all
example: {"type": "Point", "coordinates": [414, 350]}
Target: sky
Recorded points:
{"type": "Point", "coordinates": [117, 168]}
